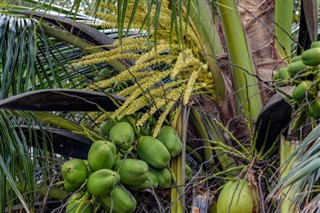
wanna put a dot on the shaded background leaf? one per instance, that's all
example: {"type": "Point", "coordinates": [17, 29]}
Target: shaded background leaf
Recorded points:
{"type": "Point", "coordinates": [62, 100]}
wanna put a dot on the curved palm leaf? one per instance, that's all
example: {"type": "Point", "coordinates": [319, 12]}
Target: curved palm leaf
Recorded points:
{"type": "Point", "coordinates": [62, 100]}
{"type": "Point", "coordinates": [18, 163]}
{"type": "Point", "coordinates": [19, 72]}
{"type": "Point", "coordinates": [29, 61]}
{"type": "Point", "coordinates": [303, 176]}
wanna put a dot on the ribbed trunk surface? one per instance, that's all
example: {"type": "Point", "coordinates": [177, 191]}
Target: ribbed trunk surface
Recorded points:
{"type": "Point", "coordinates": [258, 21]}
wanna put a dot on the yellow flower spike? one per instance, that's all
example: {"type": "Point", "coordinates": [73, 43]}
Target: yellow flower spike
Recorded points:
{"type": "Point", "coordinates": [108, 25]}
{"type": "Point", "coordinates": [107, 59]}
{"type": "Point", "coordinates": [159, 103]}
{"type": "Point", "coordinates": [107, 17]}
{"type": "Point", "coordinates": [135, 106]}
{"type": "Point", "coordinates": [139, 67]}
{"type": "Point", "coordinates": [109, 53]}
{"type": "Point", "coordinates": [153, 53]}
{"type": "Point", "coordinates": [184, 60]}
{"type": "Point", "coordinates": [103, 118]}
{"type": "Point", "coordinates": [163, 90]}
{"type": "Point", "coordinates": [108, 6]}
{"type": "Point", "coordinates": [127, 91]}
{"type": "Point", "coordinates": [123, 76]}
{"type": "Point", "coordinates": [162, 118]}
{"type": "Point", "coordinates": [148, 82]}
{"type": "Point", "coordinates": [134, 95]}
{"type": "Point", "coordinates": [141, 77]}
{"type": "Point", "coordinates": [178, 66]}
{"type": "Point", "coordinates": [131, 41]}
{"type": "Point", "coordinates": [192, 80]}
{"type": "Point", "coordinates": [171, 103]}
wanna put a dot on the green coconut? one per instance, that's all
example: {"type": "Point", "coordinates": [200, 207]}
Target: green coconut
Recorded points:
{"type": "Point", "coordinates": [235, 197]}
{"type": "Point", "coordinates": [122, 135]}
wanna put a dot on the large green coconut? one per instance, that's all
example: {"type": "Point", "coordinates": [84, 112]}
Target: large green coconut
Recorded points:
{"type": "Point", "coordinates": [119, 200]}
{"type": "Point", "coordinates": [122, 135]}
{"type": "Point", "coordinates": [101, 155]}
{"type": "Point", "coordinates": [153, 152]}
{"type": "Point", "coordinates": [170, 138]}
{"type": "Point", "coordinates": [151, 183]}
{"type": "Point", "coordinates": [102, 182]}
{"type": "Point", "coordinates": [163, 175]}
{"type": "Point", "coordinates": [235, 197]}
{"type": "Point", "coordinates": [131, 171]}
{"type": "Point", "coordinates": [74, 171]}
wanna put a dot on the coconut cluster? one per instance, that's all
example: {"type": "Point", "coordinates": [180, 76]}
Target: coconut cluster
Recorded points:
{"type": "Point", "coordinates": [303, 74]}
{"type": "Point", "coordinates": [119, 165]}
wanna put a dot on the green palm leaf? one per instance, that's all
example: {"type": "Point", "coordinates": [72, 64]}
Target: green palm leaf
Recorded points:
{"type": "Point", "coordinates": [303, 176]}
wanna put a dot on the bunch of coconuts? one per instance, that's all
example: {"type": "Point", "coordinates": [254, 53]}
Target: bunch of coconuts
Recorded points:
{"type": "Point", "coordinates": [303, 73]}
{"type": "Point", "coordinates": [118, 166]}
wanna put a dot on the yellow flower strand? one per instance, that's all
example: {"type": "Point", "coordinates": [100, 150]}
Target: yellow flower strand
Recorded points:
{"type": "Point", "coordinates": [143, 66]}
{"type": "Point", "coordinates": [107, 17]}
{"type": "Point", "coordinates": [108, 6]}
{"type": "Point", "coordinates": [124, 76]}
{"type": "Point", "coordinates": [135, 106]}
{"type": "Point", "coordinates": [131, 41]}
{"type": "Point", "coordinates": [149, 81]}
{"type": "Point", "coordinates": [108, 25]}
{"type": "Point", "coordinates": [185, 59]}
{"type": "Point", "coordinates": [107, 59]}
{"type": "Point", "coordinates": [159, 102]}
{"type": "Point", "coordinates": [138, 76]}
{"type": "Point", "coordinates": [103, 117]}
{"type": "Point", "coordinates": [162, 90]}
{"type": "Point", "coordinates": [134, 95]}
{"type": "Point", "coordinates": [154, 52]}
{"type": "Point", "coordinates": [124, 50]}
{"type": "Point", "coordinates": [163, 117]}
{"type": "Point", "coordinates": [192, 80]}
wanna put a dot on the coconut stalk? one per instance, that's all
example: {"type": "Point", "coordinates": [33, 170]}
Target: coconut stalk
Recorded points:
{"type": "Point", "coordinates": [208, 132]}
{"type": "Point", "coordinates": [203, 24]}
{"type": "Point", "coordinates": [178, 163]}
{"type": "Point", "coordinates": [215, 134]}
{"type": "Point", "coordinates": [243, 72]}
{"type": "Point", "coordinates": [286, 161]}
{"type": "Point", "coordinates": [283, 19]}
{"type": "Point", "coordinates": [286, 149]}
{"type": "Point", "coordinates": [203, 135]}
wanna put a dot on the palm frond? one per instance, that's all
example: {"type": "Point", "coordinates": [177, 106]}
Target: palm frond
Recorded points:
{"type": "Point", "coordinates": [29, 61]}
{"type": "Point", "coordinates": [17, 163]}
{"type": "Point", "coordinates": [303, 176]}
{"type": "Point", "coordinates": [73, 8]}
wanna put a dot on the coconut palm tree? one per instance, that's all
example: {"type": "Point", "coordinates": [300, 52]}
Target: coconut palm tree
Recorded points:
{"type": "Point", "coordinates": [203, 67]}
